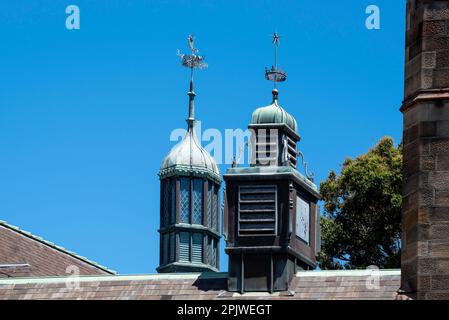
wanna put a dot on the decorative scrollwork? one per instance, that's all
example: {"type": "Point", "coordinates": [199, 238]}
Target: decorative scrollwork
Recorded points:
{"type": "Point", "coordinates": [310, 175]}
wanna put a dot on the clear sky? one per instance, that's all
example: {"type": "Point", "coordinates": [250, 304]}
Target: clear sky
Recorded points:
{"type": "Point", "coordinates": [86, 115]}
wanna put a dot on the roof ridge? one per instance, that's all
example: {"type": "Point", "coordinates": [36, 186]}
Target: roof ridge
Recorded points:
{"type": "Point", "coordinates": [123, 277]}
{"type": "Point", "coordinates": [56, 247]}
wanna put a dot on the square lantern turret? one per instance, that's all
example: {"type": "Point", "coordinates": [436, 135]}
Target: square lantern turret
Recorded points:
{"type": "Point", "coordinates": [271, 216]}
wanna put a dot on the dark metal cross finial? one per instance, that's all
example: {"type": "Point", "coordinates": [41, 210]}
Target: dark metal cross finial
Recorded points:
{"type": "Point", "coordinates": [276, 38]}
{"type": "Point", "coordinates": [274, 74]}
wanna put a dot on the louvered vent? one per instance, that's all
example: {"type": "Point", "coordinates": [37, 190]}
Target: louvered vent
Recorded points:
{"type": "Point", "coordinates": [291, 152]}
{"type": "Point", "coordinates": [197, 248]}
{"type": "Point", "coordinates": [208, 249]}
{"type": "Point", "coordinates": [257, 210]}
{"type": "Point", "coordinates": [214, 253]}
{"type": "Point", "coordinates": [184, 247]}
{"type": "Point", "coordinates": [172, 247]}
{"type": "Point", "coordinates": [165, 248]}
{"type": "Point", "coordinates": [266, 148]}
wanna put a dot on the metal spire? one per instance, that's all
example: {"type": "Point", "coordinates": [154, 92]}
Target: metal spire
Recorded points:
{"type": "Point", "coordinates": [274, 74]}
{"type": "Point", "coordinates": [192, 61]}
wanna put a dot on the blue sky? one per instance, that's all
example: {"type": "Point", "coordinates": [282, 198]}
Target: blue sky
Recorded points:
{"type": "Point", "coordinates": [86, 115]}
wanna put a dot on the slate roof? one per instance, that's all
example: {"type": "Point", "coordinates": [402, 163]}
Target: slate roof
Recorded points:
{"type": "Point", "coordinates": [23, 254]}
{"type": "Point", "coordinates": [356, 284]}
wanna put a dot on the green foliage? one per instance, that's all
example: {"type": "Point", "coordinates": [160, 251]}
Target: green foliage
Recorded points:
{"type": "Point", "coordinates": [362, 211]}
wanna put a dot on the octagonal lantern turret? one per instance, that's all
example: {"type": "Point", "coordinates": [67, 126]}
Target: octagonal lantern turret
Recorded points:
{"type": "Point", "coordinates": [189, 210]}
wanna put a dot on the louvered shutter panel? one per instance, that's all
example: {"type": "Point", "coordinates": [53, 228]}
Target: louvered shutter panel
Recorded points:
{"type": "Point", "coordinates": [184, 247]}
{"type": "Point", "coordinates": [172, 247]}
{"type": "Point", "coordinates": [164, 248]}
{"type": "Point", "coordinates": [257, 207]}
{"type": "Point", "coordinates": [214, 253]}
{"type": "Point", "coordinates": [207, 250]}
{"type": "Point", "coordinates": [197, 248]}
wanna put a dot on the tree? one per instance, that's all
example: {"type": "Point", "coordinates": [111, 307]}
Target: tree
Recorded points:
{"type": "Point", "coordinates": [362, 211]}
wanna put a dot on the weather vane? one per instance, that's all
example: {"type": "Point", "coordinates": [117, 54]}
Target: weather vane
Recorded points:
{"type": "Point", "coordinates": [192, 60]}
{"type": "Point", "coordinates": [274, 74]}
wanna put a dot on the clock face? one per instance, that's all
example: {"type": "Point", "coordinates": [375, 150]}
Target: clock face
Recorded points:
{"type": "Point", "coordinates": [302, 219]}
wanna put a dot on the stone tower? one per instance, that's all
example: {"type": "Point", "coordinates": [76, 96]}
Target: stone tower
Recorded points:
{"type": "Point", "coordinates": [190, 185]}
{"type": "Point", "coordinates": [425, 216]}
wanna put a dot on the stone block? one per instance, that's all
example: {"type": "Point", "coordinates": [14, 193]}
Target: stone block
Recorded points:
{"type": "Point", "coordinates": [438, 147]}
{"type": "Point", "coordinates": [412, 217]}
{"type": "Point", "coordinates": [442, 59]}
{"type": "Point", "coordinates": [428, 163]}
{"type": "Point", "coordinates": [443, 129]}
{"type": "Point", "coordinates": [411, 166]}
{"type": "Point", "coordinates": [411, 184]}
{"type": "Point", "coordinates": [440, 78]}
{"type": "Point", "coordinates": [424, 282]}
{"type": "Point", "coordinates": [442, 162]}
{"type": "Point", "coordinates": [427, 129]}
{"type": "Point", "coordinates": [439, 249]}
{"type": "Point", "coordinates": [414, 149]}
{"type": "Point", "coordinates": [417, 114]}
{"type": "Point", "coordinates": [438, 111]}
{"type": "Point", "coordinates": [442, 266]}
{"type": "Point", "coordinates": [440, 282]}
{"type": "Point", "coordinates": [411, 134]}
{"type": "Point", "coordinates": [437, 295]}
{"type": "Point", "coordinates": [426, 197]}
{"type": "Point", "coordinates": [414, 65]}
{"type": "Point", "coordinates": [436, 44]}
{"type": "Point", "coordinates": [423, 248]}
{"type": "Point", "coordinates": [439, 180]}
{"type": "Point", "coordinates": [429, 59]}
{"type": "Point", "coordinates": [439, 231]}
{"type": "Point", "coordinates": [427, 78]}
{"type": "Point", "coordinates": [436, 11]}
{"type": "Point", "coordinates": [411, 250]}
{"type": "Point", "coordinates": [438, 214]}
{"type": "Point", "coordinates": [410, 202]}
{"type": "Point", "coordinates": [432, 28]}
{"type": "Point", "coordinates": [442, 197]}
{"type": "Point", "coordinates": [416, 47]}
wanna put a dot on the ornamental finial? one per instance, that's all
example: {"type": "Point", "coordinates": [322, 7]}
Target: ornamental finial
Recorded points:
{"type": "Point", "coordinates": [192, 61]}
{"type": "Point", "coordinates": [274, 74]}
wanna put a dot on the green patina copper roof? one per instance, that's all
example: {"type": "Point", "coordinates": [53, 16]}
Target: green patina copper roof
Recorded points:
{"type": "Point", "coordinates": [187, 158]}
{"type": "Point", "coordinates": [274, 113]}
